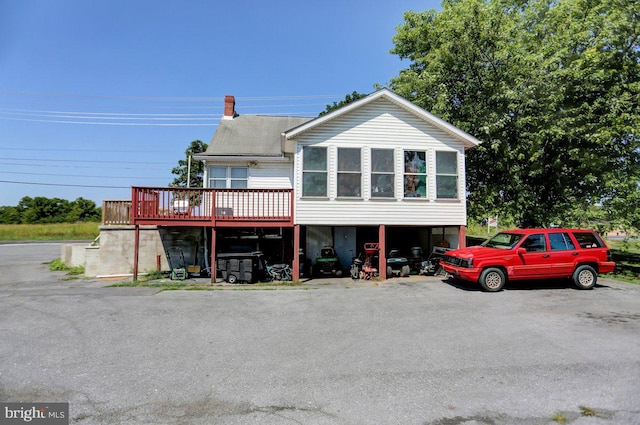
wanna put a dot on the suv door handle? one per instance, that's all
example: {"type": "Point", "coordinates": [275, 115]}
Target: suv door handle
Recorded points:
{"type": "Point", "coordinates": [545, 255]}
{"type": "Point", "coordinates": [574, 253]}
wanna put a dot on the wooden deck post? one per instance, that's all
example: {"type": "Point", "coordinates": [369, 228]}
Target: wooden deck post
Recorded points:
{"type": "Point", "coordinates": [382, 255]}
{"type": "Point", "coordinates": [296, 252]}
{"type": "Point", "coordinates": [212, 263]}
{"type": "Point", "coordinates": [462, 237]}
{"type": "Point", "coordinates": [136, 248]}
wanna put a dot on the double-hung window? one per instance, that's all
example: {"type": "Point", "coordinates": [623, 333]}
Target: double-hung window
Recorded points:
{"type": "Point", "coordinates": [382, 173]}
{"type": "Point", "coordinates": [228, 177]}
{"type": "Point", "coordinates": [314, 171]}
{"type": "Point", "coordinates": [446, 175]}
{"type": "Point", "coordinates": [415, 174]}
{"type": "Point", "coordinates": [349, 173]}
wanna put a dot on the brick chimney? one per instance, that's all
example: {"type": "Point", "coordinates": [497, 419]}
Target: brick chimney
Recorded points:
{"type": "Point", "coordinates": [229, 107]}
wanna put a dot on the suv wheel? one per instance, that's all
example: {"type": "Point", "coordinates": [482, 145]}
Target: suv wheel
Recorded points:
{"type": "Point", "coordinates": [585, 277]}
{"type": "Point", "coordinates": [492, 279]}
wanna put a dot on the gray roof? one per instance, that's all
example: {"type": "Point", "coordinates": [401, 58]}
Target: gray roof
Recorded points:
{"type": "Point", "coordinates": [251, 135]}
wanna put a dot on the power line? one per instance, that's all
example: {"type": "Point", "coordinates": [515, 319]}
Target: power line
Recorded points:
{"type": "Point", "coordinates": [22, 149]}
{"type": "Point", "coordinates": [133, 124]}
{"type": "Point", "coordinates": [82, 166]}
{"type": "Point", "coordinates": [65, 185]}
{"type": "Point", "coordinates": [116, 114]}
{"type": "Point", "coordinates": [167, 99]}
{"type": "Point", "coordinates": [81, 176]}
{"type": "Point", "coordinates": [86, 160]}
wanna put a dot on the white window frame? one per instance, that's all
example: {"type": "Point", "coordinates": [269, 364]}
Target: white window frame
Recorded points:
{"type": "Point", "coordinates": [441, 174]}
{"type": "Point", "coordinates": [346, 173]}
{"type": "Point", "coordinates": [228, 178]}
{"type": "Point", "coordinates": [376, 173]}
{"type": "Point", "coordinates": [308, 171]}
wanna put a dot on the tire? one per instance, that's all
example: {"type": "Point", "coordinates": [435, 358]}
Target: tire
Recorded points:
{"type": "Point", "coordinates": [585, 277]}
{"type": "Point", "coordinates": [232, 278]}
{"type": "Point", "coordinates": [492, 279]}
{"type": "Point", "coordinates": [355, 272]}
{"type": "Point", "coordinates": [389, 272]}
{"type": "Point", "coordinates": [405, 271]}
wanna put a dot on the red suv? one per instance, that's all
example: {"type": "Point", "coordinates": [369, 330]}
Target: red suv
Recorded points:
{"type": "Point", "coordinates": [524, 254]}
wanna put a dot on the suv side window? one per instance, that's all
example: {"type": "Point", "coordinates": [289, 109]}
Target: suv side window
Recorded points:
{"type": "Point", "coordinates": [535, 243]}
{"type": "Point", "coordinates": [561, 242]}
{"type": "Point", "coordinates": [587, 240]}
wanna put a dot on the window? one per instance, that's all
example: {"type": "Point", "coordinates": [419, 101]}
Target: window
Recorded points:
{"type": "Point", "coordinates": [314, 171]}
{"type": "Point", "coordinates": [447, 175]}
{"type": "Point", "coordinates": [535, 243]}
{"type": "Point", "coordinates": [382, 173]}
{"type": "Point", "coordinates": [588, 240]}
{"type": "Point", "coordinates": [349, 175]}
{"type": "Point", "coordinates": [228, 177]}
{"type": "Point", "coordinates": [415, 174]}
{"type": "Point", "coordinates": [560, 242]}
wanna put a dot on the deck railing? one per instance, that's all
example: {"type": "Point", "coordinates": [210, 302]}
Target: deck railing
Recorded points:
{"type": "Point", "coordinates": [156, 205]}
{"type": "Point", "coordinates": [116, 212]}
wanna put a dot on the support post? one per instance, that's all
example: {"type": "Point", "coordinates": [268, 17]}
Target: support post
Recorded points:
{"type": "Point", "coordinates": [296, 252]}
{"type": "Point", "coordinates": [382, 255]}
{"type": "Point", "coordinates": [136, 248]}
{"type": "Point", "coordinates": [462, 237]}
{"type": "Point", "coordinates": [213, 264]}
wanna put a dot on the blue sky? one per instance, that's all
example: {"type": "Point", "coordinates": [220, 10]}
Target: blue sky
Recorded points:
{"type": "Point", "coordinates": [98, 96]}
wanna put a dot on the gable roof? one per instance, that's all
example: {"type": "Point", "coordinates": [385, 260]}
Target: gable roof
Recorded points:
{"type": "Point", "coordinates": [251, 136]}
{"type": "Point", "coordinates": [468, 140]}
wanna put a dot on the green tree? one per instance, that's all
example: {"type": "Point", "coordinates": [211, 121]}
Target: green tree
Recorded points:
{"type": "Point", "coordinates": [347, 100]}
{"type": "Point", "coordinates": [83, 210]}
{"type": "Point", "coordinates": [43, 210]}
{"type": "Point", "coordinates": [9, 215]}
{"type": "Point", "coordinates": [550, 87]}
{"type": "Point", "coordinates": [197, 167]}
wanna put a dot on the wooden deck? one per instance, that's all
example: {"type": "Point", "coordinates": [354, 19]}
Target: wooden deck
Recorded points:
{"type": "Point", "coordinates": [202, 207]}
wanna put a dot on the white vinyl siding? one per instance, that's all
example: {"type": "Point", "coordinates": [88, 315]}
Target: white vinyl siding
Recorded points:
{"type": "Point", "coordinates": [377, 126]}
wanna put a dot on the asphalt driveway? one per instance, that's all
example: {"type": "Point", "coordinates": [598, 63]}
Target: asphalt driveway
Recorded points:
{"type": "Point", "coordinates": [404, 351]}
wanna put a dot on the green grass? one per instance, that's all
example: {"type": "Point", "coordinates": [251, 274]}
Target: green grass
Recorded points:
{"type": "Point", "coordinates": [626, 254]}
{"type": "Point", "coordinates": [73, 272]}
{"type": "Point", "coordinates": [560, 418]}
{"type": "Point", "coordinates": [49, 232]}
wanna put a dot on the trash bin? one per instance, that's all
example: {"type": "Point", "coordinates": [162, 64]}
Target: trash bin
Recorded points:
{"type": "Point", "coordinates": [236, 267]}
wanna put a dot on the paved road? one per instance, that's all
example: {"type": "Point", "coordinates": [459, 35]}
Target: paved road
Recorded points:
{"type": "Point", "coordinates": [405, 351]}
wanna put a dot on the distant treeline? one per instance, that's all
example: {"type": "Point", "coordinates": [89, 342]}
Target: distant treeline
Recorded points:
{"type": "Point", "coordinates": [55, 210]}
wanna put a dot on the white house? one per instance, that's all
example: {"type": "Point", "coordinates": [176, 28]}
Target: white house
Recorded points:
{"type": "Point", "coordinates": [380, 169]}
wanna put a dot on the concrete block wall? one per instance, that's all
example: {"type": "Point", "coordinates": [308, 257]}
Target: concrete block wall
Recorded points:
{"type": "Point", "coordinates": [115, 253]}
{"type": "Point", "coordinates": [73, 254]}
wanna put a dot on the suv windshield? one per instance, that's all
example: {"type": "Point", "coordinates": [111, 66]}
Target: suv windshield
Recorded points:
{"type": "Point", "coordinates": [503, 240]}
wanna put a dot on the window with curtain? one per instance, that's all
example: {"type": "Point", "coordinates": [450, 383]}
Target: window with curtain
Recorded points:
{"type": "Point", "coordinates": [415, 174]}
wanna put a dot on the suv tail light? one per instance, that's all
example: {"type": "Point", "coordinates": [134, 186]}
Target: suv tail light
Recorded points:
{"type": "Point", "coordinates": [609, 257]}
